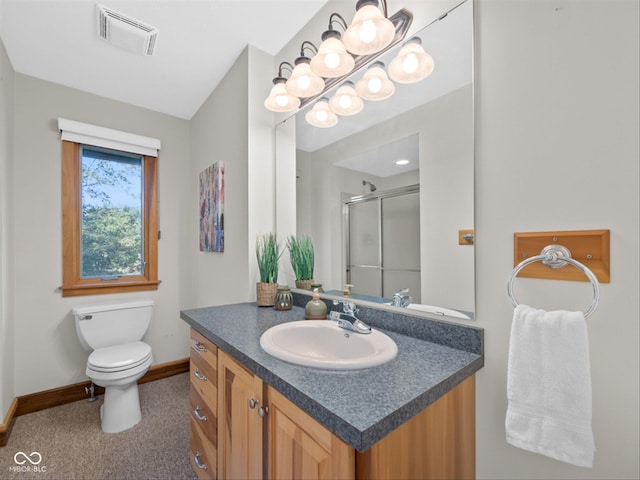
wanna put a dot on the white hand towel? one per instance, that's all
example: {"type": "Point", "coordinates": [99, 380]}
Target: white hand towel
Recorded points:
{"type": "Point", "coordinates": [549, 385]}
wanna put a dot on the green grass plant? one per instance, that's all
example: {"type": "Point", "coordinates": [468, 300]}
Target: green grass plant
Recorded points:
{"type": "Point", "coordinates": [268, 252]}
{"type": "Point", "coordinates": [301, 255]}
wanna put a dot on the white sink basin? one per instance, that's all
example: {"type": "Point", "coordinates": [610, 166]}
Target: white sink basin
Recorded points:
{"type": "Point", "coordinates": [438, 310]}
{"type": "Point", "coordinates": [323, 344]}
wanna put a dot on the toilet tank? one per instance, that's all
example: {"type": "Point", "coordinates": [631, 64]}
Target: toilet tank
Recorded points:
{"type": "Point", "coordinates": [104, 325]}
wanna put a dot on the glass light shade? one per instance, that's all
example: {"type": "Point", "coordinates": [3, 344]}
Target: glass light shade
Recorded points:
{"type": "Point", "coordinates": [346, 101]}
{"type": "Point", "coordinates": [321, 116]}
{"type": "Point", "coordinates": [303, 82]}
{"type": "Point", "coordinates": [332, 59]}
{"type": "Point", "coordinates": [279, 100]}
{"type": "Point", "coordinates": [412, 63]}
{"type": "Point", "coordinates": [369, 32]}
{"type": "Point", "coordinates": [375, 85]}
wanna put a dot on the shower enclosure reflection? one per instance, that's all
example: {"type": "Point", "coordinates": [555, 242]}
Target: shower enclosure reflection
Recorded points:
{"type": "Point", "coordinates": [383, 242]}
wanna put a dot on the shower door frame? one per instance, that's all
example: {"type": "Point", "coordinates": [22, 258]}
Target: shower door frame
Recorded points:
{"type": "Point", "coordinates": [378, 197]}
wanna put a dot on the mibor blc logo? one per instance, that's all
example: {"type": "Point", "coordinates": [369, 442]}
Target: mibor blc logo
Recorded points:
{"type": "Point", "coordinates": [28, 462]}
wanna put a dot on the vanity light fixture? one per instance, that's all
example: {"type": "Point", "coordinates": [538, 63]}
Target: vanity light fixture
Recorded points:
{"type": "Point", "coordinates": [335, 60]}
{"type": "Point", "coordinates": [402, 162]}
{"type": "Point", "coordinates": [412, 63]}
{"type": "Point", "coordinates": [332, 59]}
{"type": "Point", "coordinates": [346, 101]}
{"type": "Point", "coordinates": [320, 115]}
{"type": "Point", "coordinates": [280, 100]}
{"type": "Point", "coordinates": [375, 85]}
{"type": "Point", "coordinates": [370, 30]}
{"type": "Point", "coordinates": [303, 81]}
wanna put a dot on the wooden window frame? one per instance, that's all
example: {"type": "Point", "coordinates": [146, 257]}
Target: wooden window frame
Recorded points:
{"type": "Point", "coordinates": [72, 283]}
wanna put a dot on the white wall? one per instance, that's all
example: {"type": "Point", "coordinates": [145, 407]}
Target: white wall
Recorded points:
{"type": "Point", "coordinates": [6, 150]}
{"type": "Point", "coordinates": [47, 352]}
{"type": "Point", "coordinates": [219, 133]}
{"type": "Point", "coordinates": [557, 149]}
{"type": "Point", "coordinates": [261, 160]}
{"type": "Point", "coordinates": [233, 126]}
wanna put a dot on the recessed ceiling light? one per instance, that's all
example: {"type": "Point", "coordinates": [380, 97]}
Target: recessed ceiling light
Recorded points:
{"type": "Point", "coordinates": [402, 162]}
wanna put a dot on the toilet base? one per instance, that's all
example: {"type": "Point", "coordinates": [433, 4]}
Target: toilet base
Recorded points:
{"type": "Point", "coordinates": [120, 409]}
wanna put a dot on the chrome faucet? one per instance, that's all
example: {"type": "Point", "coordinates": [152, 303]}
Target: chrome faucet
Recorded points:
{"type": "Point", "coordinates": [347, 318]}
{"type": "Point", "coordinates": [401, 299]}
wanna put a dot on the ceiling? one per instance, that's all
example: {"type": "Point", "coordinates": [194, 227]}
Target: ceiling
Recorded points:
{"type": "Point", "coordinates": [197, 43]}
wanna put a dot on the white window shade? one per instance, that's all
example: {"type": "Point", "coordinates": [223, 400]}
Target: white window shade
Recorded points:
{"type": "Point", "coordinates": [93, 135]}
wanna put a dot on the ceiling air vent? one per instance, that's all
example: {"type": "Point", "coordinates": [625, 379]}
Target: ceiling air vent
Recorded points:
{"type": "Point", "coordinates": [125, 32]}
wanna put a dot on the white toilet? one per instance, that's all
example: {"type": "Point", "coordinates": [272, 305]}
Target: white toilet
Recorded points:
{"type": "Point", "coordinates": [119, 358]}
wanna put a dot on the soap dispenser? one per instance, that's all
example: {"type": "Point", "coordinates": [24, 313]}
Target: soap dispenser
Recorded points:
{"type": "Point", "coordinates": [315, 309]}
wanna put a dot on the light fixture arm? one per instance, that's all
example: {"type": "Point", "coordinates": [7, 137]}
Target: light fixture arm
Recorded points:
{"type": "Point", "coordinates": [340, 21]}
{"type": "Point", "coordinates": [309, 46]}
{"type": "Point", "coordinates": [286, 65]}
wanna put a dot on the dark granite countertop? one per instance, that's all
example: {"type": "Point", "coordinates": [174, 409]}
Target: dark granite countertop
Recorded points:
{"type": "Point", "coordinates": [360, 406]}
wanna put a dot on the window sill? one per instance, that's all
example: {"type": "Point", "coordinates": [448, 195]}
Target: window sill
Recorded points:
{"type": "Point", "coordinates": [105, 287]}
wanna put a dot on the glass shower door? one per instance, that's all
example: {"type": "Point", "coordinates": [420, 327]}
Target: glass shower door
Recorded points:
{"type": "Point", "coordinates": [400, 221]}
{"type": "Point", "coordinates": [383, 243]}
{"type": "Point", "coordinates": [364, 256]}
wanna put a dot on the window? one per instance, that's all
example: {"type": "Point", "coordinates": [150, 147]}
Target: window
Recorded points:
{"type": "Point", "coordinates": [109, 220]}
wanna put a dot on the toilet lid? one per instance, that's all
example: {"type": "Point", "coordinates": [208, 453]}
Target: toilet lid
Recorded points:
{"type": "Point", "coordinates": [119, 357]}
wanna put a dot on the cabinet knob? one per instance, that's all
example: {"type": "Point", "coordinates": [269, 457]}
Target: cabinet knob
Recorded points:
{"type": "Point", "coordinates": [253, 403]}
{"type": "Point", "coordinates": [198, 415]}
{"type": "Point", "coordinates": [199, 347]}
{"type": "Point", "coordinates": [199, 464]}
{"type": "Point", "coordinates": [199, 376]}
{"type": "Point", "coordinates": [262, 411]}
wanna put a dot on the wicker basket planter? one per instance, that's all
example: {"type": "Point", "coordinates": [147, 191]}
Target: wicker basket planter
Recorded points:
{"type": "Point", "coordinates": [268, 253]}
{"type": "Point", "coordinates": [266, 294]}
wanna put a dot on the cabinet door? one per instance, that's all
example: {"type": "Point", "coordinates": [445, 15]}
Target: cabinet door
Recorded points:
{"type": "Point", "coordinates": [301, 448]}
{"type": "Point", "coordinates": [239, 425]}
{"type": "Point", "coordinates": [438, 443]}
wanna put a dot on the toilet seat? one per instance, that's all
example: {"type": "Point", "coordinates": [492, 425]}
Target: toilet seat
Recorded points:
{"type": "Point", "coordinates": [119, 357]}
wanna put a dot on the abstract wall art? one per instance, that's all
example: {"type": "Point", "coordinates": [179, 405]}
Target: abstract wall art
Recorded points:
{"type": "Point", "coordinates": [212, 208]}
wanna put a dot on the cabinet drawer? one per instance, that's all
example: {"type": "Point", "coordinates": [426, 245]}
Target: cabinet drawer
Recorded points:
{"type": "Point", "coordinates": [204, 414]}
{"type": "Point", "coordinates": [204, 348]}
{"type": "Point", "coordinates": [204, 378]}
{"type": "Point", "coordinates": [202, 453]}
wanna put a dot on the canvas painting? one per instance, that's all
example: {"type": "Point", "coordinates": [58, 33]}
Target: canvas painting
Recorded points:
{"type": "Point", "coordinates": [212, 208]}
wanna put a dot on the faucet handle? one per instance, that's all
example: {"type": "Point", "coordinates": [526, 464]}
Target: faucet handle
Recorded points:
{"type": "Point", "coordinates": [349, 307]}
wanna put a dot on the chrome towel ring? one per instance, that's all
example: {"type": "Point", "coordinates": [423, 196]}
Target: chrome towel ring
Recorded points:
{"type": "Point", "coordinates": [556, 256]}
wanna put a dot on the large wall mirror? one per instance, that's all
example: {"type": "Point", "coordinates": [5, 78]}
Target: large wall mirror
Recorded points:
{"type": "Point", "coordinates": [384, 227]}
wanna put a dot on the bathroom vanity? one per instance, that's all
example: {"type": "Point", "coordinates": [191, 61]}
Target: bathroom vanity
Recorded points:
{"type": "Point", "coordinates": [254, 416]}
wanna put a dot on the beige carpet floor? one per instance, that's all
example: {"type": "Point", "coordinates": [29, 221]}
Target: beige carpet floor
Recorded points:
{"type": "Point", "coordinates": [71, 444]}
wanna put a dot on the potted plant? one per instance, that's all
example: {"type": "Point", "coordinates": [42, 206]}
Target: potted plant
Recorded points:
{"type": "Point", "coordinates": [268, 253]}
{"type": "Point", "coordinates": [302, 259]}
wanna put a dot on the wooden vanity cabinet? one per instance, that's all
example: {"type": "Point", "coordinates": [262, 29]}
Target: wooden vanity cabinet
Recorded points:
{"type": "Point", "coordinates": [264, 435]}
{"type": "Point", "coordinates": [203, 398]}
{"type": "Point", "coordinates": [437, 443]}
{"type": "Point", "coordinates": [300, 447]}
{"type": "Point", "coordinates": [261, 434]}
{"type": "Point", "coordinates": [240, 449]}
